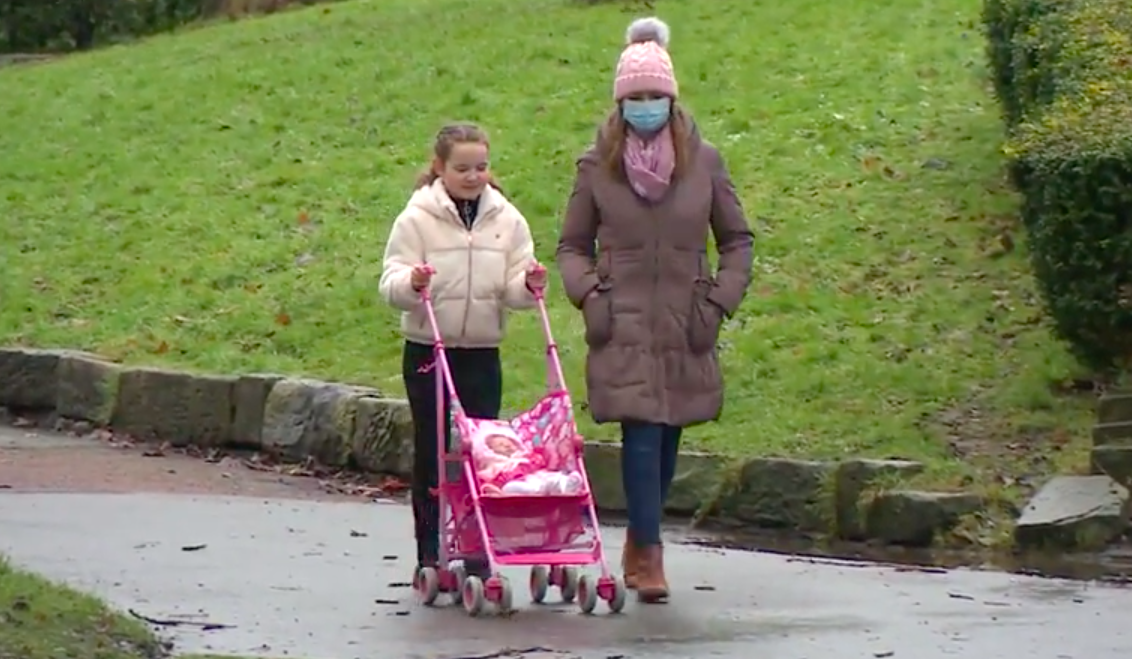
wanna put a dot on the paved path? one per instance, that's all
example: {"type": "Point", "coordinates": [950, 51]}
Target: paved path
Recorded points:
{"type": "Point", "coordinates": [305, 578]}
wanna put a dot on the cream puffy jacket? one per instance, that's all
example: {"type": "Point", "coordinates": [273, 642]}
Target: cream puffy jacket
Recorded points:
{"type": "Point", "coordinates": [480, 273]}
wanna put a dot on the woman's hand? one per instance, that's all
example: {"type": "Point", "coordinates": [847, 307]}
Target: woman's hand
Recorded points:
{"type": "Point", "coordinates": [536, 276]}
{"type": "Point", "coordinates": [421, 276]}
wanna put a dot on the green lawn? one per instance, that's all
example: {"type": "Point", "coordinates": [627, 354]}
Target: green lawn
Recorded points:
{"type": "Point", "coordinates": [44, 620]}
{"type": "Point", "coordinates": [41, 619]}
{"type": "Point", "coordinates": [153, 197]}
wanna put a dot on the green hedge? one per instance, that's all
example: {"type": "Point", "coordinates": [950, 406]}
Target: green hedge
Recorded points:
{"type": "Point", "coordinates": [1062, 71]}
{"type": "Point", "coordinates": [55, 25]}
{"type": "Point", "coordinates": [28, 26]}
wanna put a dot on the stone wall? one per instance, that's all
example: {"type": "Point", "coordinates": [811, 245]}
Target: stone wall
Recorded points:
{"type": "Point", "coordinates": [1112, 437]}
{"type": "Point", "coordinates": [1086, 513]}
{"type": "Point", "coordinates": [348, 426]}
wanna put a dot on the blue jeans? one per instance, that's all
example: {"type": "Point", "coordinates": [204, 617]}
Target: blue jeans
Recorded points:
{"type": "Point", "coordinates": [648, 464]}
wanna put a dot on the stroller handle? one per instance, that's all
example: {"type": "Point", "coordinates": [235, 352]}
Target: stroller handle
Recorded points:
{"type": "Point", "coordinates": [555, 378]}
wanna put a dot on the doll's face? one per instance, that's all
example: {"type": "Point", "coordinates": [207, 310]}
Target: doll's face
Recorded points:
{"type": "Point", "coordinates": [501, 444]}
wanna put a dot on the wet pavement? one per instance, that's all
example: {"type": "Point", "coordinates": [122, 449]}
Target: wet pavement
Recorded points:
{"type": "Point", "coordinates": [318, 580]}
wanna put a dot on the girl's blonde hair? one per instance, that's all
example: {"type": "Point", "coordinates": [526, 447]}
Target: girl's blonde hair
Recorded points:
{"type": "Point", "coordinates": [448, 137]}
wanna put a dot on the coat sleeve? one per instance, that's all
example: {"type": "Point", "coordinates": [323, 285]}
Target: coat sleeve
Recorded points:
{"type": "Point", "coordinates": [734, 241]}
{"type": "Point", "coordinates": [577, 242]}
{"type": "Point", "coordinates": [519, 260]}
{"type": "Point", "coordinates": [403, 250]}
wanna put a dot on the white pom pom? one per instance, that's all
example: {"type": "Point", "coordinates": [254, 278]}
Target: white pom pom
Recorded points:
{"type": "Point", "coordinates": [648, 29]}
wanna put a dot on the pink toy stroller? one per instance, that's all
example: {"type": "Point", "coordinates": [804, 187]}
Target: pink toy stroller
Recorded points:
{"type": "Point", "coordinates": [553, 534]}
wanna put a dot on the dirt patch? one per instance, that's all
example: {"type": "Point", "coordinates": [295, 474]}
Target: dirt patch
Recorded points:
{"type": "Point", "coordinates": [107, 463]}
{"type": "Point", "coordinates": [11, 59]}
{"type": "Point", "coordinates": [1011, 456]}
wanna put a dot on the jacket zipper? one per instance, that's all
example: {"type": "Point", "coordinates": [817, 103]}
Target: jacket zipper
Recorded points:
{"type": "Point", "coordinates": [657, 363]}
{"type": "Point", "coordinates": [468, 292]}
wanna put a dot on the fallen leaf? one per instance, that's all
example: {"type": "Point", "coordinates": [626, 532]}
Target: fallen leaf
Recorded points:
{"type": "Point", "coordinates": [161, 348]}
{"type": "Point", "coordinates": [870, 162]}
{"type": "Point", "coordinates": [892, 173]}
{"type": "Point", "coordinates": [157, 451]}
{"type": "Point", "coordinates": [282, 318]}
{"type": "Point", "coordinates": [304, 217]}
{"type": "Point", "coordinates": [193, 547]}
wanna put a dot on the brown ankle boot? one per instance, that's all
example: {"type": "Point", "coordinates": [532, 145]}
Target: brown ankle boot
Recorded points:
{"type": "Point", "coordinates": [630, 561]}
{"type": "Point", "coordinates": [652, 586]}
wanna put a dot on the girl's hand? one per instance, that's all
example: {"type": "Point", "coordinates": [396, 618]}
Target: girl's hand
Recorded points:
{"type": "Point", "coordinates": [536, 276]}
{"type": "Point", "coordinates": [421, 276]}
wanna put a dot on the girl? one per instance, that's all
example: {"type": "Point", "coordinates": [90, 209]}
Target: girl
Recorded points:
{"type": "Point", "coordinates": [460, 238]}
{"type": "Point", "coordinates": [648, 194]}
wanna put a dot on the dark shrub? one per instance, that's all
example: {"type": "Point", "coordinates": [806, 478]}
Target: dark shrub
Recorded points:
{"type": "Point", "coordinates": [1063, 74]}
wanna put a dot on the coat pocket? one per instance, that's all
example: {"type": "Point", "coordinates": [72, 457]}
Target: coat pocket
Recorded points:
{"type": "Point", "coordinates": [597, 313]}
{"type": "Point", "coordinates": [704, 321]}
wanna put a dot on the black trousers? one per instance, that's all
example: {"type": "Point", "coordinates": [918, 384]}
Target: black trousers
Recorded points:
{"type": "Point", "coordinates": [478, 376]}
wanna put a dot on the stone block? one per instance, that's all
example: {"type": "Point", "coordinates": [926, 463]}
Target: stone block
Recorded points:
{"type": "Point", "coordinates": [1112, 434]}
{"type": "Point", "coordinates": [249, 395]}
{"type": "Point", "coordinates": [1114, 462]}
{"type": "Point", "coordinates": [87, 389]}
{"type": "Point", "coordinates": [603, 466]}
{"type": "Point", "coordinates": [696, 484]}
{"type": "Point", "coordinates": [383, 436]}
{"type": "Point", "coordinates": [29, 377]}
{"type": "Point", "coordinates": [310, 418]}
{"type": "Point", "coordinates": [181, 408]}
{"type": "Point", "coordinates": [908, 517]}
{"type": "Point", "coordinates": [1115, 408]}
{"type": "Point", "coordinates": [853, 479]}
{"type": "Point", "coordinates": [1082, 513]}
{"type": "Point", "coordinates": [781, 494]}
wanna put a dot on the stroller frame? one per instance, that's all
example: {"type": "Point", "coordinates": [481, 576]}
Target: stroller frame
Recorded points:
{"type": "Point", "coordinates": [470, 522]}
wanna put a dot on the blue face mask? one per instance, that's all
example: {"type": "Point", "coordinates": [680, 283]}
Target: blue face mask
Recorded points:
{"type": "Point", "coordinates": [646, 116]}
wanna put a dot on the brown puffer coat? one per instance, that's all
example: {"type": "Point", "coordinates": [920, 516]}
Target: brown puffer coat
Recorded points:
{"type": "Point", "coordinates": [653, 320]}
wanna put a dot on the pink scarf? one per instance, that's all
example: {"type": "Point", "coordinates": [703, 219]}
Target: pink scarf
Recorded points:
{"type": "Point", "coordinates": [649, 164]}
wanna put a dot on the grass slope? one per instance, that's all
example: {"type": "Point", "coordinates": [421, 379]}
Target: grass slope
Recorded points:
{"type": "Point", "coordinates": [44, 620]}
{"type": "Point", "coordinates": [41, 619]}
{"type": "Point", "coordinates": [218, 199]}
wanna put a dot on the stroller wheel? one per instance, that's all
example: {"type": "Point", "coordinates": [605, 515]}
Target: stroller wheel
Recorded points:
{"type": "Point", "coordinates": [617, 601]}
{"type": "Point", "coordinates": [428, 585]}
{"type": "Point", "coordinates": [504, 603]}
{"type": "Point", "coordinates": [540, 583]}
{"type": "Point", "coordinates": [587, 594]}
{"type": "Point", "coordinates": [459, 574]}
{"type": "Point", "coordinates": [569, 586]}
{"type": "Point", "coordinates": [473, 595]}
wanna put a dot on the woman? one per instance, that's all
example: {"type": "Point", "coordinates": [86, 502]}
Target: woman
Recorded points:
{"type": "Point", "coordinates": [648, 193]}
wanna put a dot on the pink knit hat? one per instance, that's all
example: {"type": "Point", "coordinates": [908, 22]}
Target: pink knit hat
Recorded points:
{"type": "Point", "coordinates": [645, 65]}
